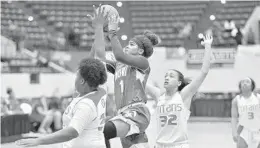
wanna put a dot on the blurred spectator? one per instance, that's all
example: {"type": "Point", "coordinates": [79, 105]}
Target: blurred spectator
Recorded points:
{"type": "Point", "coordinates": [72, 36]}
{"type": "Point", "coordinates": [12, 103]}
{"type": "Point", "coordinates": [4, 107]}
{"type": "Point", "coordinates": [61, 38]}
{"type": "Point", "coordinates": [52, 118]}
{"type": "Point", "coordinates": [17, 35]}
{"type": "Point", "coordinates": [237, 35]}
{"type": "Point", "coordinates": [185, 32]}
{"type": "Point", "coordinates": [38, 113]}
{"type": "Point", "coordinates": [44, 116]}
{"type": "Point", "coordinates": [229, 25]}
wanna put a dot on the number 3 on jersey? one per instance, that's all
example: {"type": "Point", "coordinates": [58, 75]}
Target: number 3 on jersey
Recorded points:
{"type": "Point", "coordinates": [169, 120]}
{"type": "Point", "coordinates": [250, 115]}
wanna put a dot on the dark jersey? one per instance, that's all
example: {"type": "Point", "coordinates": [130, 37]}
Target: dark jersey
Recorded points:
{"type": "Point", "coordinates": [129, 83]}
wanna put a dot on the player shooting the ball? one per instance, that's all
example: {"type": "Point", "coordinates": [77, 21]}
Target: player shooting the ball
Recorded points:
{"type": "Point", "coordinates": [131, 70]}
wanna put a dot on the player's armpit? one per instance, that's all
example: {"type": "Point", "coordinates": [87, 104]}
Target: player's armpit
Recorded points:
{"type": "Point", "coordinates": [111, 66]}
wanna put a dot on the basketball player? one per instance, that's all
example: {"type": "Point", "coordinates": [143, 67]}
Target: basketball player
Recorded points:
{"type": "Point", "coordinates": [173, 105]}
{"type": "Point", "coordinates": [131, 71]}
{"type": "Point", "coordinates": [246, 116]}
{"type": "Point", "coordinates": [84, 118]}
{"type": "Point", "coordinates": [100, 41]}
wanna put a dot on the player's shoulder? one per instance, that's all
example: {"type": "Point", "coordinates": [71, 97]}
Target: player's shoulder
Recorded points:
{"type": "Point", "coordinates": [257, 95]}
{"type": "Point", "coordinates": [235, 99]}
{"type": "Point", "coordinates": [85, 101]}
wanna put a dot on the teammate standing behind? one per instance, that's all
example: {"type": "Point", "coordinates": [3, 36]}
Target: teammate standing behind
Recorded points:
{"type": "Point", "coordinates": [131, 72]}
{"type": "Point", "coordinates": [246, 116]}
{"type": "Point", "coordinates": [173, 105]}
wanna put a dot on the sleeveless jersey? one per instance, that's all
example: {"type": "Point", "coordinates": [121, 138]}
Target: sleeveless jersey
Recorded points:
{"type": "Point", "coordinates": [172, 118]}
{"type": "Point", "coordinates": [92, 136]}
{"type": "Point", "coordinates": [249, 111]}
{"type": "Point", "coordinates": [129, 84]}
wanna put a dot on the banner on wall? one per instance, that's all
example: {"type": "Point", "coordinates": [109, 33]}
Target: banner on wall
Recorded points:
{"type": "Point", "coordinates": [175, 53]}
{"type": "Point", "coordinates": [223, 57]}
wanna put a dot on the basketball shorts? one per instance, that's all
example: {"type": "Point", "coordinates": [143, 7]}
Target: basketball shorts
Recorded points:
{"type": "Point", "coordinates": [137, 115]}
{"type": "Point", "coordinates": [252, 138]}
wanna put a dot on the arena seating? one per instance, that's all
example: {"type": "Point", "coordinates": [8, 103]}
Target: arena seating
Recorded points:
{"type": "Point", "coordinates": [164, 18]}
{"type": "Point", "coordinates": [10, 13]}
{"type": "Point", "coordinates": [167, 19]}
{"type": "Point", "coordinates": [67, 14]}
{"type": "Point", "coordinates": [237, 11]}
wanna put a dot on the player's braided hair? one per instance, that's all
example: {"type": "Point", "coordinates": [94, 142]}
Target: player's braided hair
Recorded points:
{"type": "Point", "coordinates": [146, 41]}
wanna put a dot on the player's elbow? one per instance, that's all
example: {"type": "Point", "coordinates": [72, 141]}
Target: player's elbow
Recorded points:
{"type": "Point", "coordinates": [73, 133]}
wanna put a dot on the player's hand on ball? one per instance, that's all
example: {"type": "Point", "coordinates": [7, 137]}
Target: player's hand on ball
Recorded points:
{"type": "Point", "coordinates": [207, 40]}
{"type": "Point", "coordinates": [28, 142]}
{"type": "Point", "coordinates": [113, 21]}
{"type": "Point", "coordinates": [99, 16]}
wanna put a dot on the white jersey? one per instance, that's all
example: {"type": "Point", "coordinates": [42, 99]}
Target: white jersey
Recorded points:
{"type": "Point", "coordinates": [87, 115]}
{"type": "Point", "coordinates": [172, 118]}
{"type": "Point", "coordinates": [249, 111]}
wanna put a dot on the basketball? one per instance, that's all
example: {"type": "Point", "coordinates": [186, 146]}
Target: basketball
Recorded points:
{"type": "Point", "coordinates": [112, 13]}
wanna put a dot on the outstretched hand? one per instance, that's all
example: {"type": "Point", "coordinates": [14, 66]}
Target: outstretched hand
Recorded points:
{"type": "Point", "coordinates": [31, 142]}
{"type": "Point", "coordinates": [207, 40]}
{"type": "Point", "coordinates": [99, 17]}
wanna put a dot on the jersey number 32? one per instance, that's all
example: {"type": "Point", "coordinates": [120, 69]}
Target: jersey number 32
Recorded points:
{"type": "Point", "coordinates": [169, 120]}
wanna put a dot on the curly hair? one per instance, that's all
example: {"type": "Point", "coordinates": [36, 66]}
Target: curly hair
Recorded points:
{"type": "Point", "coordinates": [146, 41]}
{"type": "Point", "coordinates": [93, 72]}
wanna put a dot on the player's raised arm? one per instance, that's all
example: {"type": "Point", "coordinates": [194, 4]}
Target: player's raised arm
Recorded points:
{"type": "Point", "coordinates": [98, 47]}
{"type": "Point", "coordinates": [234, 118]}
{"type": "Point", "coordinates": [189, 91]}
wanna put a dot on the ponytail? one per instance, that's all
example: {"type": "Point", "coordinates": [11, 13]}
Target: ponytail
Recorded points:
{"type": "Point", "coordinates": [184, 83]}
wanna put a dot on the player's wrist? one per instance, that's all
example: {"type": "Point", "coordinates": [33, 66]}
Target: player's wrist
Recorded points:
{"type": "Point", "coordinates": [39, 141]}
{"type": "Point", "coordinates": [112, 34]}
{"type": "Point", "coordinates": [208, 46]}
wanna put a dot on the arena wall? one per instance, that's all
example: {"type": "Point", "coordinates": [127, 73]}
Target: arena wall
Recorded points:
{"type": "Point", "coordinates": [221, 79]}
